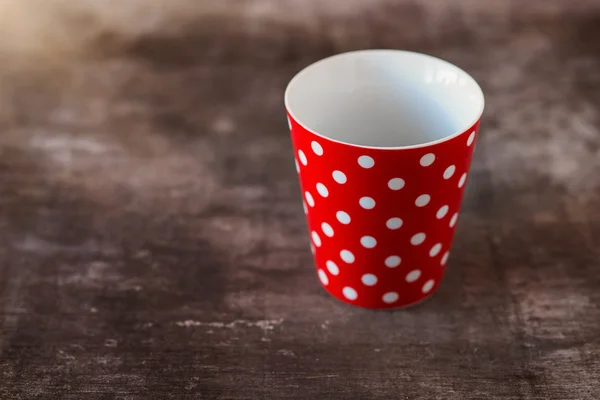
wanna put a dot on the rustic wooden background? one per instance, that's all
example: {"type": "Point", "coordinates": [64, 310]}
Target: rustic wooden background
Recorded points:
{"type": "Point", "coordinates": [152, 240]}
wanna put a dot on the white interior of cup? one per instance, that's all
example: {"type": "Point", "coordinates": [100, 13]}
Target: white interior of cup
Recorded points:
{"type": "Point", "coordinates": [384, 99]}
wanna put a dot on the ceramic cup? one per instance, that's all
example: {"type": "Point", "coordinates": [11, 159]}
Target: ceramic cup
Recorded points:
{"type": "Point", "coordinates": [383, 140]}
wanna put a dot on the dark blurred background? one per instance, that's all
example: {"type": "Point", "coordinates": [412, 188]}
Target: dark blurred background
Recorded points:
{"type": "Point", "coordinates": [152, 239]}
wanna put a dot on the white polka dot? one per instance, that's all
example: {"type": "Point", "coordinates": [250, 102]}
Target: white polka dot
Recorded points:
{"type": "Point", "coordinates": [305, 209]}
{"type": "Point", "coordinates": [312, 248]}
{"type": "Point", "coordinates": [392, 261]}
{"type": "Point", "coordinates": [349, 293]}
{"type": "Point", "coordinates": [427, 159]}
{"type": "Point", "coordinates": [462, 180]}
{"type": "Point", "coordinates": [332, 268]}
{"type": "Point", "coordinates": [444, 258]}
{"type": "Point", "coordinates": [339, 177]}
{"type": "Point", "coordinates": [422, 200]}
{"type": "Point", "coordinates": [435, 250]}
{"type": "Point", "coordinates": [347, 256]}
{"type": "Point", "coordinates": [327, 229]}
{"type": "Point", "coordinates": [297, 166]}
{"type": "Point", "coordinates": [368, 241]}
{"type": "Point", "coordinates": [343, 217]}
{"type": "Point", "coordinates": [316, 239]}
{"type": "Point", "coordinates": [309, 199]}
{"type": "Point", "coordinates": [394, 223]}
{"type": "Point", "coordinates": [396, 183]}
{"type": "Point", "coordinates": [417, 239]}
{"type": "Point", "coordinates": [302, 157]}
{"type": "Point", "coordinates": [471, 138]}
{"type": "Point", "coordinates": [428, 286]}
{"type": "Point", "coordinates": [369, 279]}
{"type": "Point", "coordinates": [390, 297]}
{"type": "Point", "coordinates": [442, 212]}
{"type": "Point", "coordinates": [367, 203]}
{"type": "Point", "coordinates": [413, 275]}
{"type": "Point", "coordinates": [449, 172]}
{"type": "Point", "coordinates": [366, 161]}
{"type": "Point", "coordinates": [323, 277]}
{"type": "Point", "coordinates": [316, 147]}
{"type": "Point", "coordinates": [322, 189]}
{"type": "Point", "coordinates": [289, 123]}
{"type": "Point", "coordinates": [453, 220]}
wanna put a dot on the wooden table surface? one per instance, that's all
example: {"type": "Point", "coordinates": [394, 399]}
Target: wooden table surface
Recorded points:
{"type": "Point", "coordinates": [153, 244]}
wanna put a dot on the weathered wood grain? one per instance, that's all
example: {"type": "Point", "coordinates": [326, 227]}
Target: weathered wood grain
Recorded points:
{"type": "Point", "coordinates": [153, 245]}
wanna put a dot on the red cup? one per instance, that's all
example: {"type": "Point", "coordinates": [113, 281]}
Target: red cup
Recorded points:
{"type": "Point", "coordinates": [383, 141]}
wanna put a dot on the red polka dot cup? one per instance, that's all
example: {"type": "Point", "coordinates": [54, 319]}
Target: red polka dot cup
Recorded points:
{"type": "Point", "coordinates": [383, 141]}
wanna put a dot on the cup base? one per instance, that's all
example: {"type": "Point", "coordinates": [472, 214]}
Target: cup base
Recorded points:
{"type": "Point", "coordinates": [391, 307]}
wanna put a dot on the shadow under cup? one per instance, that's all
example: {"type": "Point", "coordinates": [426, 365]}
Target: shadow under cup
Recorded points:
{"type": "Point", "coordinates": [383, 141]}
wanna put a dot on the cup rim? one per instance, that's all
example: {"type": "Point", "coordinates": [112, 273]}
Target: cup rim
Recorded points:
{"type": "Point", "coordinates": [372, 51]}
